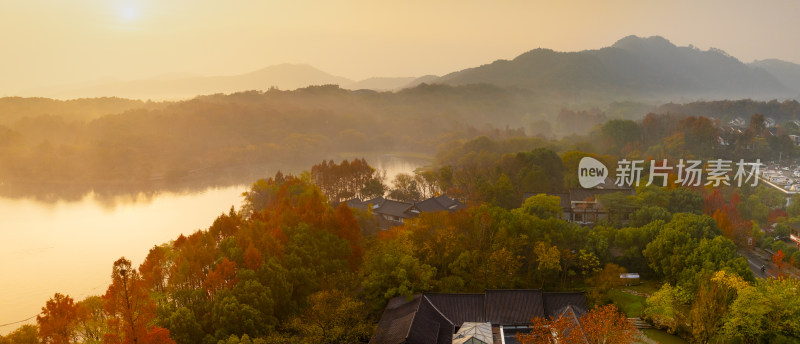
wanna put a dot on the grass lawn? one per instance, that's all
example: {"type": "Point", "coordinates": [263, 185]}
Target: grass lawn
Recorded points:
{"type": "Point", "coordinates": [662, 337]}
{"type": "Point", "coordinates": [646, 287]}
{"type": "Point", "coordinates": [627, 302]}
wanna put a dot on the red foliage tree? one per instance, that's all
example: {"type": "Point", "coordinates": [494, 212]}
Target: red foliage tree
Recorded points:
{"type": "Point", "coordinates": [130, 308]}
{"type": "Point", "coordinates": [222, 277]}
{"type": "Point", "coordinates": [347, 228]}
{"type": "Point", "coordinates": [777, 259]}
{"type": "Point", "coordinates": [154, 269]}
{"type": "Point", "coordinates": [252, 257]}
{"type": "Point", "coordinates": [712, 202]}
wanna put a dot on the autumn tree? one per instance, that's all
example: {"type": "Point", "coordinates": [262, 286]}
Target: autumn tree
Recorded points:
{"type": "Point", "coordinates": [601, 325]}
{"type": "Point", "coordinates": [223, 276]}
{"type": "Point", "coordinates": [390, 269]}
{"type": "Point", "coordinates": [58, 321]}
{"type": "Point", "coordinates": [155, 268]}
{"type": "Point", "coordinates": [714, 296]}
{"type": "Point", "coordinates": [405, 188]}
{"type": "Point", "coordinates": [130, 308]}
{"type": "Point", "coordinates": [25, 334]}
{"type": "Point", "coordinates": [607, 325]}
{"type": "Point", "coordinates": [777, 259]}
{"type": "Point", "coordinates": [332, 317]}
{"type": "Point", "coordinates": [91, 320]}
{"type": "Point", "coordinates": [604, 280]}
{"type": "Point", "coordinates": [347, 180]}
{"type": "Point", "coordinates": [548, 259]}
{"type": "Point", "coordinates": [764, 312]}
{"type": "Point", "coordinates": [551, 331]}
{"type": "Point", "coordinates": [543, 206]}
{"type": "Point", "coordinates": [663, 308]}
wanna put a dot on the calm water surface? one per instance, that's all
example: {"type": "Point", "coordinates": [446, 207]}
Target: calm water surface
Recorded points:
{"type": "Point", "coordinates": [69, 247]}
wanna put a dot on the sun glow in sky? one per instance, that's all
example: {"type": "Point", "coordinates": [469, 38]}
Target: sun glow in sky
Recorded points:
{"type": "Point", "coordinates": [128, 12]}
{"type": "Point", "coordinates": [50, 43]}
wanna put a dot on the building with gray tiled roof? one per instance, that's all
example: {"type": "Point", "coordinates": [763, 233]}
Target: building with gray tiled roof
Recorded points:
{"type": "Point", "coordinates": [438, 318]}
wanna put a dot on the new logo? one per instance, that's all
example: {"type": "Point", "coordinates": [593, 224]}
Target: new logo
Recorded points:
{"type": "Point", "coordinates": [591, 172]}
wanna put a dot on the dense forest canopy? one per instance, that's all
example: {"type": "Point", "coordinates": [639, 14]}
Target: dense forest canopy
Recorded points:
{"type": "Point", "coordinates": [289, 267]}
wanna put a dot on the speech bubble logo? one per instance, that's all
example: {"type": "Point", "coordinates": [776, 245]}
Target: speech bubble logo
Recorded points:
{"type": "Point", "coordinates": [591, 172]}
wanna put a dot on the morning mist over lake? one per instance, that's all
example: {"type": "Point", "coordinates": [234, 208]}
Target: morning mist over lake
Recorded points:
{"type": "Point", "coordinates": [367, 172]}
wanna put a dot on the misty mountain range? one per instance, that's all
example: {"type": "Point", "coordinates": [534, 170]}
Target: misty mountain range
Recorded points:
{"type": "Point", "coordinates": [632, 68]}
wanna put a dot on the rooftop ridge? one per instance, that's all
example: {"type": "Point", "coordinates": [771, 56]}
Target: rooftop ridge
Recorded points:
{"type": "Point", "coordinates": [416, 309]}
{"type": "Point", "coordinates": [437, 310]}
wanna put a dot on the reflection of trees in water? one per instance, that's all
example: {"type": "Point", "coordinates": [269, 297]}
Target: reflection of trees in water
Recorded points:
{"type": "Point", "coordinates": [111, 194]}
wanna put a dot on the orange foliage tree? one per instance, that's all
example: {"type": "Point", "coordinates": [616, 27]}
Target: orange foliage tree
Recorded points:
{"type": "Point", "coordinates": [605, 324]}
{"type": "Point", "coordinates": [58, 321]}
{"type": "Point", "coordinates": [130, 309]}
{"type": "Point", "coordinates": [601, 325]}
{"type": "Point", "coordinates": [222, 277]}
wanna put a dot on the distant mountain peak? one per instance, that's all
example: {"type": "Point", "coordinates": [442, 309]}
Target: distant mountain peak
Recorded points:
{"type": "Point", "coordinates": [633, 67]}
{"type": "Point", "coordinates": [636, 42]}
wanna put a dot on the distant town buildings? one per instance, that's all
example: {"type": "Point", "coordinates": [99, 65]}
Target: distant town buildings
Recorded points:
{"type": "Point", "coordinates": [583, 206]}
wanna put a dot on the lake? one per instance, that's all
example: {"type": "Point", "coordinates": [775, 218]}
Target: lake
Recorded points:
{"type": "Point", "coordinates": [69, 246]}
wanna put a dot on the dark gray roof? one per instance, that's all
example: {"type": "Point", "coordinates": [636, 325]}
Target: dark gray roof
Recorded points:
{"type": "Point", "coordinates": [440, 203]}
{"type": "Point", "coordinates": [430, 326]}
{"type": "Point", "coordinates": [434, 317]}
{"type": "Point", "coordinates": [394, 208]}
{"type": "Point", "coordinates": [430, 205]}
{"type": "Point", "coordinates": [555, 303]}
{"type": "Point", "coordinates": [395, 323]}
{"type": "Point", "coordinates": [459, 308]}
{"type": "Point", "coordinates": [513, 306]}
{"type": "Point", "coordinates": [449, 203]}
{"type": "Point", "coordinates": [377, 201]}
{"type": "Point", "coordinates": [356, 203]}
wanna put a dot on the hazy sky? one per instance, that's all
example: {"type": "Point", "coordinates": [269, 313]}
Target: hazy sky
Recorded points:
{"type": "Point", "coordinates": [52, 42]}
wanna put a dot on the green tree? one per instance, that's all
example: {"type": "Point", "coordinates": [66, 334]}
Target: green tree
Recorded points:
{"type": "Point", "coordinates": [765, 312]}
{"type": "Point", "coordinates": [231, 317]}
{"type": "Point", "coordinates": [714, 296]}
{"type": "Point", "coordinates": [91, 320]}
{"type": "Point", "coordinates": [25, 334]}
{"type": "Point", "coordinates": [663, 308]}
{"type": "Point", "coordinates": [405, 188]}
{"type": "Point", "coordinates": [603, 281]}
{"type": "Point", "coordinates": [503, 193]}
{"type": "Point", "coordinates": [548, 260]}
{"type": "Point", "coordinates": [332, 317]}
{"type": "Point", "coordinates": [391, 269]}
{"type": "Point", "coordinates": [542, 206]}
{"type": "Point", "coordinates": [649, 214]}
{"type": "Point", "coordinates": [683, 200]}
{"type": "Point", "coordinates": [793, 209]}
{"type": "Point", "coordinates": [670, 250]}
{"type": "Point", "coordinates": [588, 263]}
{"type": "Point", "coordinates": [184, 327]}
{"type": "Point", "coordinates": [621, 134]}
